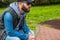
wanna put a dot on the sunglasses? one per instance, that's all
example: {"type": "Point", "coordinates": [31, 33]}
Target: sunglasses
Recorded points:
{"type": "Point", "coordinates": [29, 3]}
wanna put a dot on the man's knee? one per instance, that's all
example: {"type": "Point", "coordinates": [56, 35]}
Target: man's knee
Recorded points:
{"type": "Point", "coordinates": [17, 38]}
{"type": "Point", "coordinates": [12, 38]}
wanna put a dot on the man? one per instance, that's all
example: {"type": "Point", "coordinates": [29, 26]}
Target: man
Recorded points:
{"type": "Point", "coordinates": [24, 33]}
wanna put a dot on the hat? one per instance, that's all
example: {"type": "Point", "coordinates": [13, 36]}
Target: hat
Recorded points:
{"type": "Point", "coordinates": [28, 1]}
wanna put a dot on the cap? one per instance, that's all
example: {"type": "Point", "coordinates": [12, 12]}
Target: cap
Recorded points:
{"type": "Point", "coordinates": [28, 1]}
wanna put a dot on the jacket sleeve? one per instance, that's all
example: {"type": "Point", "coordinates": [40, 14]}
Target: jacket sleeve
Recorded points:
{"type": "Point", "coordinates": [8, 22]}
{"type": "Point", "coordinates": [25, 27]}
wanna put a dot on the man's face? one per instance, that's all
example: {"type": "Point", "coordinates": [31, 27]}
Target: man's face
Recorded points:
{"type": "Point", "coordinates": [26, 6]}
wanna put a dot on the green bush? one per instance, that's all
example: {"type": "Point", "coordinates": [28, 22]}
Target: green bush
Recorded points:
{"type": "Point", "coordinates": [44, 2]}
{"type": "Point", "coordinates": [40, 2]}
{"type": "Point", "coordinates": [55, 1]}
{"type": "Point", "coordinates": [36, 2]}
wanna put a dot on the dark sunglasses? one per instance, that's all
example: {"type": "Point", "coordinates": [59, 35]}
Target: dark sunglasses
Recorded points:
{"type": "Point", "coordinates": [29, 3]}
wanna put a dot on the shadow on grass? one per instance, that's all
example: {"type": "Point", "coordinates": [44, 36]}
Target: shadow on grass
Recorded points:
{"type": "Point", "coordinates": [54, 23]}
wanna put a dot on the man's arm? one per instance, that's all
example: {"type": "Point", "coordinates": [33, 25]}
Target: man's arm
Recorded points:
{"type": "Point", "coordinates": [28, 31]}
{"type": "Point", "coordinates": [25, 27]}
{"type": "Point", "coordinates": [8, 22]}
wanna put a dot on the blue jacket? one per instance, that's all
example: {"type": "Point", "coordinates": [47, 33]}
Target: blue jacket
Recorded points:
{"type": "Point", "coordinates": [8, 22]}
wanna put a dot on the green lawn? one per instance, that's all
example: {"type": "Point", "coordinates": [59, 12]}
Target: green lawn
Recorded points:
{"type": "Point", "coordinates": [40, 14]}
{"type": "Point", "coordinates": [1, 10]}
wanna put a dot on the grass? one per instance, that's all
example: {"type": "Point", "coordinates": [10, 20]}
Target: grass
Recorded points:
{"type": "Point", "coordinates": [40, 14]}
{"type": "Point", "coordinates": [1, 10]}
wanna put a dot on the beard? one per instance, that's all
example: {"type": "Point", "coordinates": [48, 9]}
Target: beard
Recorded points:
{"type": "Point", "coordinates": [25, 9]}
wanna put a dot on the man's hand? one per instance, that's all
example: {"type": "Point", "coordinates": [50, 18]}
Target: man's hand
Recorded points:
{"type": "Point", "coordinates": [31, 36]}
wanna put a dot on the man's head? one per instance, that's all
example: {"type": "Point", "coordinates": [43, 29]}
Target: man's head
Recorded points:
{"type": "Point", "coordinates": [26, 4]}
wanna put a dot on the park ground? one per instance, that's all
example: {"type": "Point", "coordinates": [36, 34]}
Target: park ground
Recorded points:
{"type": "Point", "coordinates": [40, 14]}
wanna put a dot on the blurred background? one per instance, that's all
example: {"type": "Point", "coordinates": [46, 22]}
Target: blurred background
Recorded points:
{"type": "Point", "coordinates": [36, 2]}
{"type": "Point", "coordinates": [41, 11]}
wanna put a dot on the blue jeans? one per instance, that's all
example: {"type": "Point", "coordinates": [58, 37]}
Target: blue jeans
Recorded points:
{"type": "Point", "coordinates": [15, 38]}
{"type": "Point", "coordinates": [12, 38]}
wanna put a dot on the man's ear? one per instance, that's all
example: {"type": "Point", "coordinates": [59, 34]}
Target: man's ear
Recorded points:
{"type": "Point", "coordinates": [20, 3]}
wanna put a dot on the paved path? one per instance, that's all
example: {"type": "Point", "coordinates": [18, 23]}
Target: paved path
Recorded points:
{"type": "Point", "coordinates": [48, 33]}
